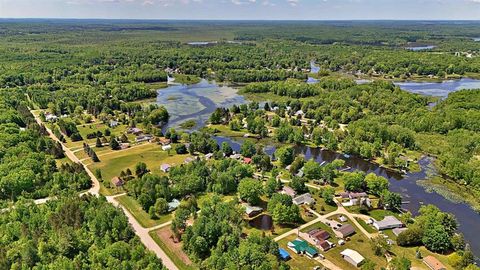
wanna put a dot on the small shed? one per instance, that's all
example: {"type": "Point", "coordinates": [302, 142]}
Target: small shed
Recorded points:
{"type": "Point", "coordinates": [117, 181]}
{"type": "Point", "coordinates": [165, 167]}
{"type": "Point", "coordinates": [284, 254]}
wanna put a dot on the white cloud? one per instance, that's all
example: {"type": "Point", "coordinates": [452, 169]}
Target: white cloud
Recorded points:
{"type": "Point", "coordinates": [293, 3]}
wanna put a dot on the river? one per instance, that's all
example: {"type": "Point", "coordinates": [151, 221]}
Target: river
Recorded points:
{"type": "Point", "coordinates": [198, 101]}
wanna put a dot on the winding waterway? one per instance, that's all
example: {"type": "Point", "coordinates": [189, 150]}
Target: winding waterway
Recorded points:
{"type": "Point", "coordinates": [198, 101]}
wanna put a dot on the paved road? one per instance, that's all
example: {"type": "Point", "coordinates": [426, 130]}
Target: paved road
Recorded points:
{"type": "Point", "coordinates": [141, 232]}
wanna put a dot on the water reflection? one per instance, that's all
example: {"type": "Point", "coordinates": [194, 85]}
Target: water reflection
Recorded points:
{"type": "Point", "coordinates": [439, 89]}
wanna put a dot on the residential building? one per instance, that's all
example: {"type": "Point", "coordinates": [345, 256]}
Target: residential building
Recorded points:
{"type": "Point", "coordinates": [304, 199]}
{"type": "Point", "coordinates": [113, 123]}
{"type": "Point", "coordinates": [302, 247]}
{"type": "Point", "coordinates": [164, 141]}
{"type": "Point", "coordinates": [188, 160]}
{"type": "Point", "coordinates": [433, 263]}
{"type": "Point", "coordinates": [143, 138]}
{"type": "Point", "coordinates": [117, 181]}
{"type": "Point", "coordinates": [247, 160]}
{"type": "Point", "coordinates": [165, 167]}
{"type": "Point", "coordinates": [289, 191]}
{"type": "Point", "coordinates": [209, 156]}
{"type": "Point", "coordinates": [388, 222]}
{"type": "Point", "coordinates": [252, 211]}
{"type": "Point", "coordinates": [344, 231]}
{"type": "Point", "coordinates": [318, 234]}
{"type": "Point", "coordinates": [166, 147]}
{"type": "Point", "coordinates": [323, 245]}
{"type": "Point", "coordinates": [50, 117]}
{"type": "Point", "coordinates": [174, 204]}
{"type": "Point", "coordinates": [352, 256]}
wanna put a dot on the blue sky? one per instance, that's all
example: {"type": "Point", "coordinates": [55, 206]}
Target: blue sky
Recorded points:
{"type": "Point", "coordinates": [243, 9]}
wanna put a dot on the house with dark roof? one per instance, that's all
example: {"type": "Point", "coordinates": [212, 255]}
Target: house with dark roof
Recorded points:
{"type": "Point", "coordinates": [344, 231]}
{"type": "Point", "coordinates": [324, 245]}
{"type": "Point", "coordinates": [319, 234]}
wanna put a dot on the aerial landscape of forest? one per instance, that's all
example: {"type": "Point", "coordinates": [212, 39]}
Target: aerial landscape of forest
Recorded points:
{"type": "Point", "coordinates": [239, 144]}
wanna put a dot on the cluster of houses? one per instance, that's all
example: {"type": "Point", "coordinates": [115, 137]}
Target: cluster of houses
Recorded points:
{"type": "Point", "coordinates": [304, 199]}
{"type": "Point", "coordinates": [355, 198]}
{"type": "Point", "coordinates": [50, 117]}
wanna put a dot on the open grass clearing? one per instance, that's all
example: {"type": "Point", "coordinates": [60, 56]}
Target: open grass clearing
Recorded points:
{"type": "Point", "coordinates": [140, 215]}
{"type": "Point", "coordinates": [173, 250]}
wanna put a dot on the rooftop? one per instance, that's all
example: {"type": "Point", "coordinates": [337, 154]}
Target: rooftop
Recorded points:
{"type": "Point", "coordinates": [352, 254]}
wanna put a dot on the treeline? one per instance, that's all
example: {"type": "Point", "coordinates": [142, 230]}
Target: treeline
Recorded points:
{"type": "Point", "coordinates": [70, 233]}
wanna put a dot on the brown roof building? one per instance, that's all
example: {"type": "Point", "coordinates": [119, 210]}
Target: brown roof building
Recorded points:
{"type": "Point", "coordinates": [345, 231]}
{"type": "Point", "coordinates": [116, 181]}
{"type": "Point", "coordinates": [319, 234]}
{"type": "Point", "coordinates": [433, 263]}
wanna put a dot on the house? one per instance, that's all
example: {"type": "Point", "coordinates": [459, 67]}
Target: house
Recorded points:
{"type": "Point", "coordinates": [388, 222]}
{"type": "Point", "coordinates": [134, 130]}
{"type": "Point", "coordinates": [166, 147]}
{"type": "Point", "coordinates": [49, 117]}
{"type": "Point", "coordinates": [236, 156]}
{"type": "Point", "coordinates": [252, 211]}
{"type": "Point", "coordinates": [174, 204]}
{"type": "Point", "coordinates": [143, 138]}
{"type": "Point", "coordinates": [188, 160]}
{"type": "Point", "coordinates": [165, 167]}
{"type": "Point", "coordinates": [302, 247]}
{"type": "Point", "coordinates": [352, 256]}
{"type": "Point", "coordinates": [117, 182]}
{"type": "Point", "coordinates": [124, 146]}
{"type": "Point", "coordinates": [289, 191]}
{"type": "Point", "coordinates": [113, 123]}
{"type": "Point", "coordinates": [345, 231]}
{"type": "Point", "coordinates": [299, 113]}
{"type": "Point", "coordinates": [342, 219]}
{"type": "Point", "coordinates": [398, 231]}
{"type": "Point", "coordinates": [276, 108]}
{"type": "Point", "coordinates": [247, 160]}
{"type": "Point", "coordinates": [209, 156]}
{"type": "Point", "coordinates": [304, 199]}
{"type": "Point", "coordinates": [164, 141]}
{"type": "Point", "coordinates": [355, 198]}
{"type": "Point", "coordinates": [324, 245]}
{"type": "Point", "coordinates": [283, 254]}
{"type": "Point", "coordinates": [318, 234]}
{"type": "Point", "coordinates": [300, 173]}
{"type": "Point", "coordinates": [433, 263]}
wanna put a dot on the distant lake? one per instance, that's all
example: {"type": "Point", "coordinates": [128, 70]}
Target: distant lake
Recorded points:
{"type": "Point", "coordinates": [439, 89]}
{"type": "Point", "coordinates": [476, 39]}
{"type": "Point", "coordinates": [420, 48]}
{"type": "Point", "coordinates": [201, 43]}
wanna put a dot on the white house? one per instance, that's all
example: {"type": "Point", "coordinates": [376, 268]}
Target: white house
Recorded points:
{"type": "Point", "coordinates": [352, 256]}
{"type": "Point", "coordinates": [166, 147]}
{"type": "Point", "coordinates": [165, 167]}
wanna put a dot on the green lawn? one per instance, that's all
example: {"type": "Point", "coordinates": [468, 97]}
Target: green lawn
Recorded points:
{"type": "Point", "coordinates": [171, 253]}
{"type": "Point", "coordinates": [140, 215]}
{"type": "Point", "coordinates": [367, 227]}
{"type": "Point", "coordinates": [151, 154]}
{"type": "Point", "coordinates": [297, 261]}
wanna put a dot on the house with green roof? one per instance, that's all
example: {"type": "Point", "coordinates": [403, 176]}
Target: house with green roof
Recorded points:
{"type": "Point", "coordinates": [300, 246]}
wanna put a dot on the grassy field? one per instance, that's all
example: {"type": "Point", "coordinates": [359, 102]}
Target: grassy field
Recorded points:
{"type": "Point", "coordinates": [140, 215]}
{"type": "Point", "coordinates": [298, 262]}
{"type": "Point", "coordinates": [151, 154]}
{"type": "Point", "coordinates": [171, 252]}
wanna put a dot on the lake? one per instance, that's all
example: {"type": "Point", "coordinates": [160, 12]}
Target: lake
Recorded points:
{"type": "Point", "coordinates": [439, 89]}
{"type": "Point", "coordinates": [420, 48]}
{"type": "Point", "coordinates": [196, 101]}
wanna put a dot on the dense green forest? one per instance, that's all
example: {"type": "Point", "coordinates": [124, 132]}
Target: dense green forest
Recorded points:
{"type": "Point", "coordinates": [71, 233]}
